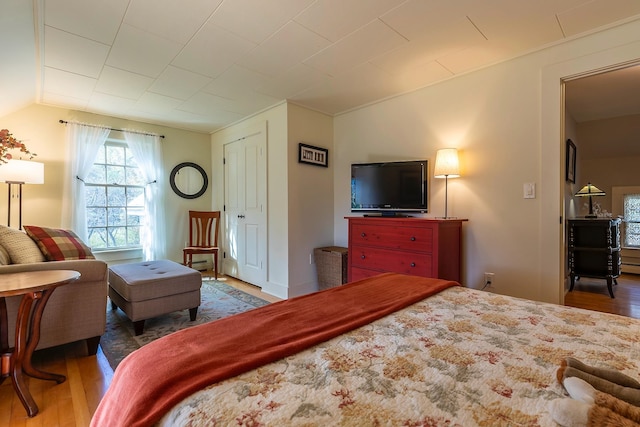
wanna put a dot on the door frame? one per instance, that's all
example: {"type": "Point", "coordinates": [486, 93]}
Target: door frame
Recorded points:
{"type": "Point", "coordinates": [552, 215]}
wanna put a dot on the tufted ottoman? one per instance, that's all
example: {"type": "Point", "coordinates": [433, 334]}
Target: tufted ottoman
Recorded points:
{"type": "Point", "coordinates": [148, 289]}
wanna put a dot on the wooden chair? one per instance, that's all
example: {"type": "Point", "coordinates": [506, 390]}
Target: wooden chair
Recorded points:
{"type": "Point", "coordinates": [203, 237]}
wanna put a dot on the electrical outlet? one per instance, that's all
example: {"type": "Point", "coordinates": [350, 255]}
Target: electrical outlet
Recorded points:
{"type": "Point", "coordinates": [489, 280]}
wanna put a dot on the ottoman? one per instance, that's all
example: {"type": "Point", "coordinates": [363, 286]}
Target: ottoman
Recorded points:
{"type": "Point", "coordinates": [148, 289]}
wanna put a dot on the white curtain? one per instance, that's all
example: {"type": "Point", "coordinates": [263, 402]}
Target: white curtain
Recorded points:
{"type": "Point", "coordinates": [83, 142]}
{"type": "Point", "coordinates": [147, 151]}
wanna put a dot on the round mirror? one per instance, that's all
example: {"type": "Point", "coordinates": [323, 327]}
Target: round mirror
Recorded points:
{"type": "Point", "coordinates": [188, 180]}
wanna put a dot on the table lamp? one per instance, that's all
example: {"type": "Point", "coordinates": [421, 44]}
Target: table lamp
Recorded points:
{"type": "Point", "coordinates": [590, 190]}
{"type": "Point", "coordinates": [447, 166]}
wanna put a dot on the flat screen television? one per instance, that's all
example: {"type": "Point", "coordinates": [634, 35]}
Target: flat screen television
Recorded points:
{"type": "Point", "coordinates": [389, 188]}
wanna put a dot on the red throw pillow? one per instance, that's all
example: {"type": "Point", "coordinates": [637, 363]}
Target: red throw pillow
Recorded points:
{"type": "Point", "coordinates": [58, 245]}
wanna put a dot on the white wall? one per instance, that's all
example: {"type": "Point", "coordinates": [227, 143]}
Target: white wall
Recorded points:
{"type": "Point", "coordinates": [310, 197]}
{"type": "Point", "coordinates": [38, 127]}
{"type": "Point", "coordinates": [506, 120]}
{"type": "Point", "coordinates": [300, 205]}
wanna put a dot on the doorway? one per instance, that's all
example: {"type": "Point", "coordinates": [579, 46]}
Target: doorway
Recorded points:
{"type": "Point", "coordinates": [603, 121]}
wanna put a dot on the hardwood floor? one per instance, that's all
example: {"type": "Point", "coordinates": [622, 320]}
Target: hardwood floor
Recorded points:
{"type": "Point", "coordinates": [592, 294]}
{"type": "Point", "coordinates": [73, 402]}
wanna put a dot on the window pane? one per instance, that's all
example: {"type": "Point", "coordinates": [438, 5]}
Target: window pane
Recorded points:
{"type": "Point", "coordinates": [96, 196]}
{"type": "Point", "coordinates": [117, 236]}
{"type": "Point", "coordinates": [632, 207]}
{"type": "Point", "coordinates": [115, 175]}
{"type": "Point", "coordinates": [135, 197]}
{"type": "Point", "coordinates": [134, 177]}
{"type": "Point", "coordinates": [133, 236]}
{"type": "Point", "coordinates": [116, 216]}
{"type": "Point", "coordinates": [98, 238]}
{"type": "Point", "coordinates": [96, 217]}
{"type": "Point", "coordinates": [116, 196]}
{"type": "Point", "coordinates": [97, 175]}
{"type": "Point", "coordinates": [115, 155]}
{"type": "Point", "coordinates": [632, 234]}
{"type": "Point", "coordinates": [133, 216]}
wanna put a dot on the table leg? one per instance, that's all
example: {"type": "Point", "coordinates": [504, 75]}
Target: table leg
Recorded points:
{"type": "Point", "coordinates": [34, 339]}
{"type": "Point", "coordinates": [18, 356]}
{"type": "Point", "coordinates": [27, 337]}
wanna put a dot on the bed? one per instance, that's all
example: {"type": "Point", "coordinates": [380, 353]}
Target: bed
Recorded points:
{"type": "Point", "coordinates": [455, 357]}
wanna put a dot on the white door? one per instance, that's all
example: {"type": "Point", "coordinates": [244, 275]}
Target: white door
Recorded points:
{"type": "Point", "coordinates": [245, 215]}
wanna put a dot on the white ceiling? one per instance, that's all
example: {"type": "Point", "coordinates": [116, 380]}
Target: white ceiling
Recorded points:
{"type": "Point", "coordinates": [203, 64]}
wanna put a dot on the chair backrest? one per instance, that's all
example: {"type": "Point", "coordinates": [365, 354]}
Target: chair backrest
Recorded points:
{"type": "Point", "coordinates": [203, 228]}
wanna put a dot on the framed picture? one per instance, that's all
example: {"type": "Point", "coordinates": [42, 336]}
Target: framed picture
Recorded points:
{"type": "Point", "coordinates": [571, 161]}
{"type": "Point", "coordinates": [313, 155]}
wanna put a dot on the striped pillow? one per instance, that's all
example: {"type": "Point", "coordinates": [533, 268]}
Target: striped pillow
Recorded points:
{"type": "Point", "coordinates": [58, 245]}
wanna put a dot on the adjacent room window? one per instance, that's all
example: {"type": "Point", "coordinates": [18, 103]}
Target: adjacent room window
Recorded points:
{"type": "Point", "coordinates": [631, 233]}
{"type": "Point", "coordinates": [115, 199]}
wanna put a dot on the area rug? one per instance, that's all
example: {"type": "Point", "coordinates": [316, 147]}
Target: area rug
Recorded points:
{"type": "Point", "coordinates": [218, 300]}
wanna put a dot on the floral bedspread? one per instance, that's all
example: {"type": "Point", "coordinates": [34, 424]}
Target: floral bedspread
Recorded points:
{"type": "Point", "coordinates": [460, 358]}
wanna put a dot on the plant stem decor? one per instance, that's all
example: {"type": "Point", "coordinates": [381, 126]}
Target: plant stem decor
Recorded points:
{"type": "Point", "coordinates": [9, 142]}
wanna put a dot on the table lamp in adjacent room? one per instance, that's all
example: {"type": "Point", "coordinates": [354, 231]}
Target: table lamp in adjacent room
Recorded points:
{"type": "Point", "coordinates": [590, 190]}
{"type": "Point", "coordinates": [20, 172]}
{"type": "Point", "coordinates": [447, 166]}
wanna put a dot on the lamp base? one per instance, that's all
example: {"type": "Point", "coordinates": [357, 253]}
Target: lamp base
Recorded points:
{"type": "Point", "coordinates": [591, 216]}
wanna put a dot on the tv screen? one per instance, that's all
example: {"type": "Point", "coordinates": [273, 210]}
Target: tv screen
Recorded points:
{"type": "Point", "coordinates": [389, 186]}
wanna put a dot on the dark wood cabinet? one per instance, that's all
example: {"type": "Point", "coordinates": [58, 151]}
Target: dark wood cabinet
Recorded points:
{"type": "Point", "coordinates": [594, 250]}
{"type": "Point", "coordinates": [415, 246]}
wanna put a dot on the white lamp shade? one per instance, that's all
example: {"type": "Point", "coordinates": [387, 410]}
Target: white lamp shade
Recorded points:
{"type": "Point", "coordinates": [22, 171]}
{"type": "Point", "coordinates": [447, 164]}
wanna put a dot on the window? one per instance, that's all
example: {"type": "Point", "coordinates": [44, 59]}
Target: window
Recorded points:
{"type": "Point", "coordinates": [114, 194]}
{"type": "Point", "coordinates": [631, 206]}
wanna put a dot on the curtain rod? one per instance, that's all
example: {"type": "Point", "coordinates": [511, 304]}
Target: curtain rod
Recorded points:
{"type": "Point", "coordinates": [105, 127]}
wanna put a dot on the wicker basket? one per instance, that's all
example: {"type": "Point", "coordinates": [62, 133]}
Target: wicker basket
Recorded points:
{"type": "Point", "coordinates": [331, 263]}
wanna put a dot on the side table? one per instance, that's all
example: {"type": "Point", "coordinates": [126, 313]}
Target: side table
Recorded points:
{"type": "Point", "coordinates": [35, 287]}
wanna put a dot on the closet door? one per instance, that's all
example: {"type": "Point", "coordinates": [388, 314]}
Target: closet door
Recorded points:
{"type": "Point", "coordinates": [245, 248]}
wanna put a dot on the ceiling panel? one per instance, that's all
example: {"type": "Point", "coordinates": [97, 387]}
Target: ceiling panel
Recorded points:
{"type": "Point", "coordinates": [125, 84]}
{"type": "Point", "coordinates": [178, 83]}
{"type": "Point", "coordinates": [72, 53]}
{"type": "Point", "coordinates": [370, 41]}
{"type": "Point", "coordinates": [212, 51]}
{"type": "Point", "coordinates": [256, 20]}
{"type": "Point", "coordinates": [596, 13]}
{"type": "Point", "coordinates": [170, 19]}
{"type": "Point", "coordinates": [94, 19]}
{"type": "Point", "coordinates": [141, 52]}
{"type": "Point", "coordinates": [69, 84]}
{"type": "Point", "coordinates": [334, 19]}
{"type": "Point", "coordinates": [289, 46]}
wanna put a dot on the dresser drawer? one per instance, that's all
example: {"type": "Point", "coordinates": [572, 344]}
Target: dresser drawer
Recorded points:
{"type": "Point", "coordinates": [389, 260]}
{"type": "Point", "coordinates": [407, 238]}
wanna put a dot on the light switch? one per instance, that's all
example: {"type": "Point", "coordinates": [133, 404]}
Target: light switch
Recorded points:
{"type": "Point", "coordinates": [529, 190]}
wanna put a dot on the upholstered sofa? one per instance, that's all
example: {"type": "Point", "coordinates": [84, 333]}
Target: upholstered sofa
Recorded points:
{"type": "Point", "coordinates": [76, 311]}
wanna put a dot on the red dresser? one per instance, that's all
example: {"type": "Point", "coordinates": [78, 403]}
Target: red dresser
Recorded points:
{"type": "Point", "coordinates": [416, 246]}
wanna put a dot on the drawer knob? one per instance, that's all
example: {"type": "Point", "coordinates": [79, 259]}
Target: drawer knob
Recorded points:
{"type": "Point", "coordinates": [362, 256]}
{"type": "Point", "coordinates": [413, 239]}
{"type": "Point", "coordinates": [362, 234]}
{"type": "Point", "coordinates": [413, 264]}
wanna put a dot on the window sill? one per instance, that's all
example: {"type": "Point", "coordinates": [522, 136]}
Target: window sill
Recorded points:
{"type": "Point", "coordinates": [119, 255]}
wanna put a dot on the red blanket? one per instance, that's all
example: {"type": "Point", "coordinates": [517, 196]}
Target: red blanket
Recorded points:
{"type": "Point", "coordinates": [159, 375]}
